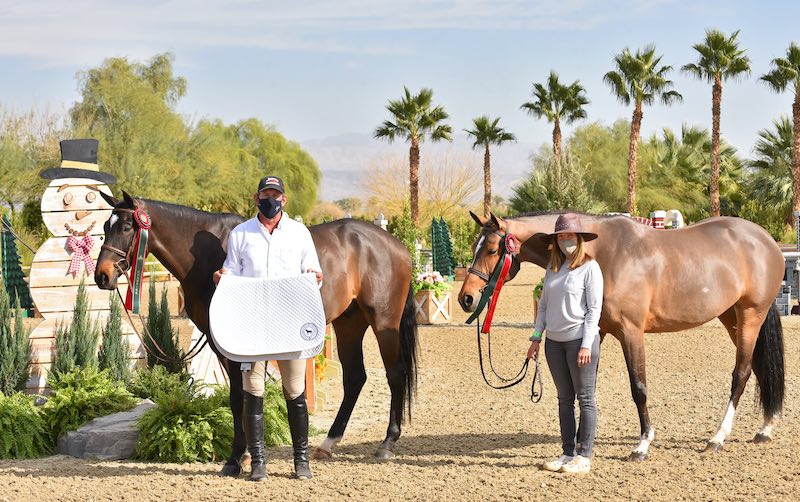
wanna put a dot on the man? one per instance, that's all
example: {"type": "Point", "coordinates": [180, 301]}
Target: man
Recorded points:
{"type": "Point", "coordinates": [272, 245]}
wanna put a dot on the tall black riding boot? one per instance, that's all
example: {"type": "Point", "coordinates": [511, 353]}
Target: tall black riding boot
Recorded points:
{"type": "Point", "coordinates": [298, 425]}
{"type": "Point", "coordinates": [253, 421]}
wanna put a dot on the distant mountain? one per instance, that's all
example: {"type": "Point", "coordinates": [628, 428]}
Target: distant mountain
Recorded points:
{"type": "Point", "coordinates": [346, 158]}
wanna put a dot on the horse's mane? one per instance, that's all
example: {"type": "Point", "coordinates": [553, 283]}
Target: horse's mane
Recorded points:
{"type": "Point", "coordinates": [189, 212]}
{"type": "Point", "coordinates": [560, 211]}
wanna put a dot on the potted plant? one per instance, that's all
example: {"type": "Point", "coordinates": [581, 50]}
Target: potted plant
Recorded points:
{"type": "Point", "coordinates": [433, 298]}
{"type": "Point", "coordinates": [537, 295]}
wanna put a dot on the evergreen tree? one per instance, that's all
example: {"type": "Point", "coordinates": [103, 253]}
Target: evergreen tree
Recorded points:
{"type": "Point", "coordinates": [13, 277]}
{"type": "Point", "coordinates": [15, 348]}
{"type": "Point", "coordinates": [76, 345]}
{"type": "Point", "coordinates": [115, 350]}
{"type": "Point", "coordinates": [163, 333]}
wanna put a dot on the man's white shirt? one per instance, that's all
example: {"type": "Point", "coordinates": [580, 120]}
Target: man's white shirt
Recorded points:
{"type": "Point", "coordinates": [254, 252]}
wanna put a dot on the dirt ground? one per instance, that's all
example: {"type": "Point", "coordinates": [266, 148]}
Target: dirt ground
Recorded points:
{"type": "Point", "coordinates": [468, 441]}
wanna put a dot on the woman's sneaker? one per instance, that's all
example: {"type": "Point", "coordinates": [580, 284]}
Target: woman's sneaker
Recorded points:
{"type": "Point", "coordinates": [578, 465]}
{"type": "Point", "coordinates": [556, 464]}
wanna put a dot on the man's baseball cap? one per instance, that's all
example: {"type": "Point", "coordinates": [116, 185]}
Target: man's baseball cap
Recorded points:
{"type": "Point", "coordinates": [271, 182]}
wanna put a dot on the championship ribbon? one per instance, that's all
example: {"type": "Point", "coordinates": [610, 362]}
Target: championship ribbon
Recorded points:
{"type": "Point", "coordinates": [143, 222]}
{"type": "Point", "coordinates": [510, 245]}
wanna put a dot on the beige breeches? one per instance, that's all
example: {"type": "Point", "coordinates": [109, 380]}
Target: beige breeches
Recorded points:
{"type": "Point", "coordinates": [293, 378]}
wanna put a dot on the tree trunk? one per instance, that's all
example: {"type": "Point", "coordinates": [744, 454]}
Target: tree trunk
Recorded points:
{"type": "Point", "coordinates": [413, 181]}
{"type": "Point", "coordinates": [557, 140]}
{"type": "Point", "coordinates": [636, 125]}
{"type": "Point", "coordinates": [716, 100]}
{"type": "Point", "coordinates": [487, 182]}
{"type": "Point", "coordinates": [796, 156]}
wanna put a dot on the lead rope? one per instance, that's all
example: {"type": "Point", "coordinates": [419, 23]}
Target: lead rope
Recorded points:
{"type": "Point", "coordinates": [492, 289]}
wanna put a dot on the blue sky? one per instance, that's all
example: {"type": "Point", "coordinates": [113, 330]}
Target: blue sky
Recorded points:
{"type": "Point", "coordinates": [320, 69]}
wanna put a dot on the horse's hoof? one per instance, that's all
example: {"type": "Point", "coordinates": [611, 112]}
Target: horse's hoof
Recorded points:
{"type": "Point", "coordinates": [231, 470]}
{"type": "Point", "coordinates": [384, 454]}
{"type": "Point", "coordinates": [713, 447]}
{"type": "Point", "coordinates": [637, 456]}
{"type": "Point", "coordinates": [320, 454]}
{"type": "Point", "coordinates": [761, 438]}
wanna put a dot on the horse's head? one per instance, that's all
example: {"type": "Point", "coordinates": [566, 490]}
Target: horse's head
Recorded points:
{"type": "Point", "coordinates": [120, 229]}
{"type": "Point", "coordinates": [486, 251]}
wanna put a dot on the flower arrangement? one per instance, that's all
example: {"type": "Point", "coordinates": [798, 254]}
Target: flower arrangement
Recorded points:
{"type": "Point", "coordinates": [431, 281]}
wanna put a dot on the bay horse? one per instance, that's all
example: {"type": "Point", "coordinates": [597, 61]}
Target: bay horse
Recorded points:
{"type": "Point", "coordinates": [367, 283]}
{"type": "Point", "coordinates": [665, 281]}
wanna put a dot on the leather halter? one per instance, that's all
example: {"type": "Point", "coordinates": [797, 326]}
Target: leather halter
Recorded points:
{"type": "Point", "coordinates": [125, 255]}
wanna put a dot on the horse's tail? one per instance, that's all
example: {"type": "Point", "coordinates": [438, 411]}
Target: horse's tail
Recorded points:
{"type": "Point", "coordinates": [768, 364]}
{"type": "Point", "coordinates": [408, 351]}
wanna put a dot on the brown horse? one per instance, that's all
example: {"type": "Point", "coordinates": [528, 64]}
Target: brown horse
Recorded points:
{"type": "Point", "coordinates": [367, 283]}
{"type": "Point", "coordinates": [665, 281]}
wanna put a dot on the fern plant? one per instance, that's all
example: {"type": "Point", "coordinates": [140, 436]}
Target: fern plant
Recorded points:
{"type": "Point", "coordinates": [149, 383]}
{"type": "Point", "coordinates": [115, 350]}
{"type": "Point", "coordinates": [23, 431]}
{"type": "Point", "coordinates": [185, 426]}
{"type": "Point", "coordinates": [81, 395]}
{"type": "Point", "coordinates": [15, 347]}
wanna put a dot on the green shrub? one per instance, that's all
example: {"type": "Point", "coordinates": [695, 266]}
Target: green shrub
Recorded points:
{"type": "Point", "coordinates": [15, 347]}
{"type": "Point", "coordinates": [276, 422]}
{"type": "Point", "coordinates": [115, 351]}
{"type": "Point", "coordinates": [160, 328]}
{"type": "Point", "coordinates": [186, 426]}
{"type": "Point", "coordinates": [23, 431]}
{"type": "Point", "coordinates": [76, 345]}
{"type": "Point", "coordinates": [149, 383]}
{"type": "Point", "coordinates": [83, 394]}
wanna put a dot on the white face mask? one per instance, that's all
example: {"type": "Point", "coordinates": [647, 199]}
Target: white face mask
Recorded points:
{"type": "Point", "coordinates": [568, 246]}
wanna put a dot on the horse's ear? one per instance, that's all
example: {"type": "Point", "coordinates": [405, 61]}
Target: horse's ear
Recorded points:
{"type": "Point", "coordinates": [477, 219]}
{"type": "Point", "coordinates": [495, 221]}
{"type": "Point", "coordinates": [128, 199]}
{"type": "Point", "coordinates": [109, 198]}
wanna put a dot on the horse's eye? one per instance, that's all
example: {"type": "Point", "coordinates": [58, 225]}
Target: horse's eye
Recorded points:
{"type": "Point", "coordinates": [127, 226]}
{"type": "Point", "coordinates": [492, 251]}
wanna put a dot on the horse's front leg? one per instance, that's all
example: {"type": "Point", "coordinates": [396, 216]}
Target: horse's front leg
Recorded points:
{"type": "Point", "coordinates": [633, 349]}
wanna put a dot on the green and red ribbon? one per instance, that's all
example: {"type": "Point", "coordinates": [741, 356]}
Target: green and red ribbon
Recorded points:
{"type": "Point", "coordinates": [143, 224]}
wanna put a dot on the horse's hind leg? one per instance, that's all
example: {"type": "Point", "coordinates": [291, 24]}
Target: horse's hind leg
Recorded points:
{"type": "Point", "coordinates": [389, 343]}
{"type": "Point", "coordinates": [747, 326]}
{"type": "Point", "coordinates": [350, 328]}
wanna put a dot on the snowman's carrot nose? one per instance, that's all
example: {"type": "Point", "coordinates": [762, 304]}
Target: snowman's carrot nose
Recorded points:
{"type": "Point", "coordinates": [79, 215]}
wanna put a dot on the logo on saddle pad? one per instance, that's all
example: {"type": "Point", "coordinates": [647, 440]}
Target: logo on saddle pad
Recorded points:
{"type": "Point", "coordinates": [308, 331]}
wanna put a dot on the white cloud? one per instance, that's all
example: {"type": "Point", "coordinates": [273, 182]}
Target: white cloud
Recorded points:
{"type": "Point", "coordinates": [80, 32]}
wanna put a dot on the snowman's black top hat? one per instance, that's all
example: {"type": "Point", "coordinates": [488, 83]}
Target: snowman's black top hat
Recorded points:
{"type": "Point", "coordinates": [78, 160]}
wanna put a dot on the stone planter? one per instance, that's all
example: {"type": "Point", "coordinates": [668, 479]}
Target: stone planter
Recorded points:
{"type": "Point", "coordinates": [433, 310]}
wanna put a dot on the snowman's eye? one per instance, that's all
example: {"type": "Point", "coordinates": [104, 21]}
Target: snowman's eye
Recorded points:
{"type": "Point", "coordinates": [67, 199]}
{"type": "Point", "coordinates": [90, 197]}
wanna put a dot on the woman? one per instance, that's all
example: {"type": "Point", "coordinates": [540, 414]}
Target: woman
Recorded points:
{"type": "Point", "coordinates": [569, 311]}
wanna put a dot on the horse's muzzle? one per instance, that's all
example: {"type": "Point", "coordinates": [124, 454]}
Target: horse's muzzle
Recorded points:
{"type": "Point", "coordinates": [467, 303]}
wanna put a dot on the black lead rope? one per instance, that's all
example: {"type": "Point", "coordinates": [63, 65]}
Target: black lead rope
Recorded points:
{"type": "Point", "coordinates": [536, 393]}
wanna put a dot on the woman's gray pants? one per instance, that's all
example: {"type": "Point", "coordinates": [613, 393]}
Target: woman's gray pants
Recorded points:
{"type": "Point", "coordinates": [572, 381]}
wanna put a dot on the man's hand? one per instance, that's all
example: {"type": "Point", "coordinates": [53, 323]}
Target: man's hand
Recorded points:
{"type": "Point", "coordinates": [318, 274]}
{"type": "Point", "coordinates": [218, 274]}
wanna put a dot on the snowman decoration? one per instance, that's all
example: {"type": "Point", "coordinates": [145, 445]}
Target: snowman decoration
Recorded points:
{"type": "Point", "coordinates": [74, 212]}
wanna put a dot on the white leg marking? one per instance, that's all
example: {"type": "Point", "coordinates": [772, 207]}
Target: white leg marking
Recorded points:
{"type": "Point", "coordinates": [329, 443]}
{"type": "Point", "coordinates": [644, 444]}
{"type": "Point", "coordinates": [766, 430]}
{"type": "Point", "coordinates": [726, 425]}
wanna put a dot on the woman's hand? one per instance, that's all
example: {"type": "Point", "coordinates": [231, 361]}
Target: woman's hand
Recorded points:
{"type": "Point", "coordinates": [584, 357]}
{"type": "Point", "coordinates": [218, 275]}
{"type": "Point", "coordinates": [533, 350]}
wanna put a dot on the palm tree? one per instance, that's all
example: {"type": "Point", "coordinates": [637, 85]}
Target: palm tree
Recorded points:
{"type": "Point", "coordinates": [557, 102]}
{"type": "Point", "coordinates": [786, 72]}
{"type": "Point", "coordinates": [415, 120]}
{"type": "Point", "coordinates": [487, 132]}
{"type": "Point", "coordinates": [639, 79]}
{"type": "Point", "coordinates": [774, 154]}
{"type": "Point", "coordinates": [720, 59]}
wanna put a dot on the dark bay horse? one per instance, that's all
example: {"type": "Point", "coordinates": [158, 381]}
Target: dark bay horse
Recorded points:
{"type": "Point", "coordinates": [665, 281]}
{"type": "Point", "coordinates": [367, 283]}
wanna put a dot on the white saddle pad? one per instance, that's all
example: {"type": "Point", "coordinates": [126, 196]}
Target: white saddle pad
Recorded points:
{"type": "Point", "coordinates": [254, 319]}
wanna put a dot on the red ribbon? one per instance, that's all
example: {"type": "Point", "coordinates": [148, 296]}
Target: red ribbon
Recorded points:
{"type": "Point", "coordinates": [81, 251]}
{"type": "Point", "coordinates": [511, 246]}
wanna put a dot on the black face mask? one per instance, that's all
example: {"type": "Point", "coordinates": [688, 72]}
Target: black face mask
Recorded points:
{"type": "Point", "coordinates": [269, 207]}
